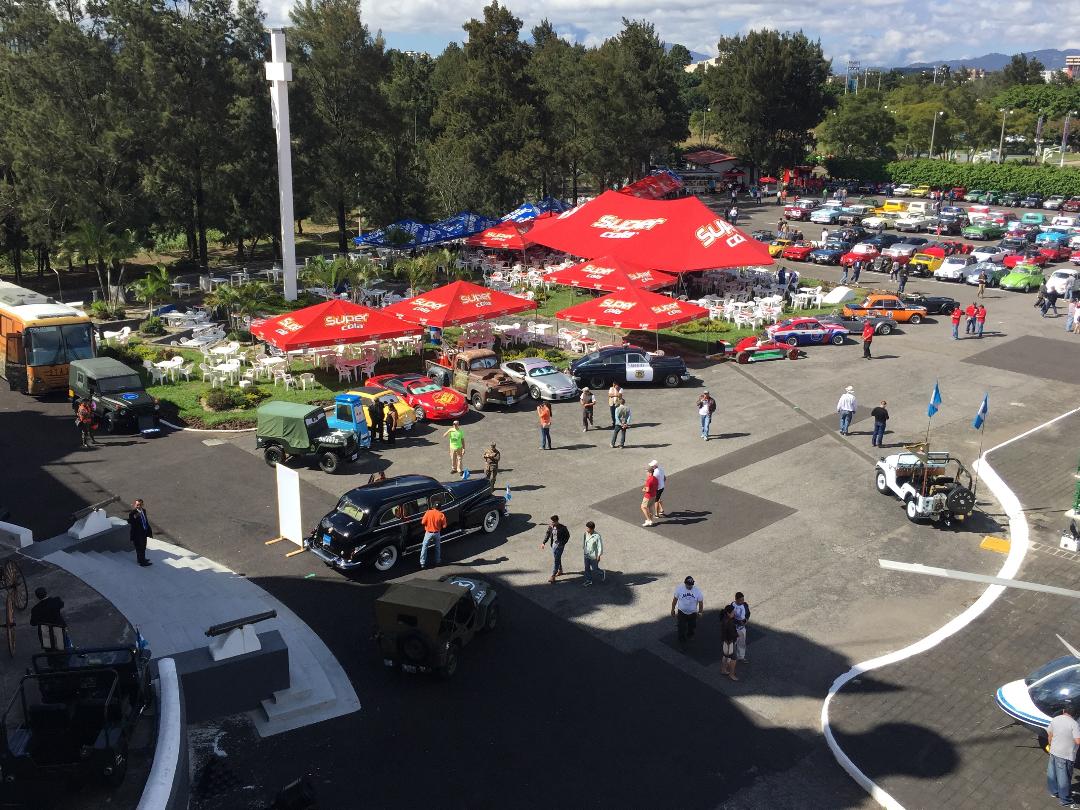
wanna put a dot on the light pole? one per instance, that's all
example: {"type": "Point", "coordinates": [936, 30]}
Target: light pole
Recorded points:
{"type": "Point", "coordinates": [58, 286]}
{"type": "Point", "coordinates": [279, 74]}
{"type": "Point", "coordinates": [933, 131]}
{"type": "Point", "coordinates": [1065, 137]}
{"type": "Point", "coordinates": [704, 116]}
{"type": "Point", "coordinates": [1001, 141]}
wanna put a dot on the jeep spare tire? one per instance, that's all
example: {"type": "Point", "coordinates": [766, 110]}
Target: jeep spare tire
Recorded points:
{"type": "Point", "coordinates": [414, 649]}
{"type": "Point", "coordinates": [960, 500]}
{"type": "Point", "coordinates": [273, 455]}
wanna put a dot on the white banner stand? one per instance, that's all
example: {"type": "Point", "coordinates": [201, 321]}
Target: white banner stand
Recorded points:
{"type": "Point", "coordinates": [290, 526]}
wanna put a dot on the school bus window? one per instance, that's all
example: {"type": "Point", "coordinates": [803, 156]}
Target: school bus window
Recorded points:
{"type": "Point", "coordinates": [51, 345]}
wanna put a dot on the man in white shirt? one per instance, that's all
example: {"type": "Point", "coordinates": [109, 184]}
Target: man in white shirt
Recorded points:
{"type": "Point", "coordinates": [846, 407]}
{"type": "Point", "coordinates": [1064, 737]}
{"type": "Point", "coordinates": [686, 606]}
{"type": "Point", "coordinates": [661, 482]}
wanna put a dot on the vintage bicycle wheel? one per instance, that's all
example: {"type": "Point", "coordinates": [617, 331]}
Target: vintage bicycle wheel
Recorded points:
{"type": "Point", "coordinates": [14, 582]}
{"type": "Point", "coordinates": [9, 622]}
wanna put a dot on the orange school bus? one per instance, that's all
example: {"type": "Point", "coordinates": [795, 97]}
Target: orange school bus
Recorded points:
{"type": "Point", "coordinates": [39, 337]}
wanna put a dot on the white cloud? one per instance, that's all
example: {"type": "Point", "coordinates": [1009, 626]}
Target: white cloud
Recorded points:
{"type": "Point", "coordinates": [877, 32]}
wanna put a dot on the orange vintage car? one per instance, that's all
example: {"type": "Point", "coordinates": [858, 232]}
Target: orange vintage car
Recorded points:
{"type": "Point", "coordinates": [888, 305]}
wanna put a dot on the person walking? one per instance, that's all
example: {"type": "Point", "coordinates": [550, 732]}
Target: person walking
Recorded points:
{"type": "Point", "coordinates": [558, 536]}
{"type": "Point", "coordinates": [846, 407]}
{"type": "Point", "coordinates": [588, 402]}
{"type": "Point", "coordinates": [614, 394]}
{"type": "Point", "coordinates": [622, 422]}
{"type": "Point", "coordinates": [1051, 302]}
{"type": "Point", "coordinates": [687, 604]}
{"type": "Point", "coordinates": [661, 485]}
{"type": "Point", "coordinates": [980, 320]}
{"type": "Point", "coordinates": [1070, 315]}
{"type": "Point", "coordinates": [390, 421]}
{"type": "Point", "coordinates": [969, 324]}
{"type": "Point", "coordinates": [982, 283]}
{"type": "Point", "coordinates": [457, 447]}
{"type": "Point", "coordinates": [1063, 736]}
{"type": "Point", "coordinates": [47, 615]}
{"type": "Point", "coordinates": [856, 271]}
{"type": "Point", "coordinates": [706, 407]}
{"type": "Point", "coordinates": [648, 497]}
{"type": "Point", "coordinates": [140, 530]}
{"type": "Point", "coordinates": [825, 237]}
{"type": "Point", "coordinates": [594, 549]}
{"type": "Point", "coordinates": [375, 417]}
{"type": "Point", "coordinates": [844, 271]}
{"type": "Point", "coordinates": [543, 415]}
{"type": "Point", "coordinates": [84, 420]}
{"type": "Point", "coordinates": [729, 640]}
{"type": "Point", "coordinates": [492, 456]}
{"type": "Point", "coordinates": [741, 610]}
{"type": "Point", "coordinates": [957, 314]}
{"type": "Point", "coordinates": [433, 521]}
{"type": "Point", "coordinates": [881, 417]}
{"type": "Point", "coordinates": [903, 273]}
{"type": "Point", "coordinates": [867, 338]}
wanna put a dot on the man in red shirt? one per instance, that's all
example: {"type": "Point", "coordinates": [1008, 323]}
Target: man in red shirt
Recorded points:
{"type": "Point", "coordinates": [969, 326]}
{"type": "Point", "coordinates": [957, 314]}
{"type": "Point", "coordinates": [648, 500]}
{"type": "Point", "coordinates": [867, 338]}
{"type": "Point", "coordinates": [433, 522]}
{"type": "Point", "coordinates": [980, 320]}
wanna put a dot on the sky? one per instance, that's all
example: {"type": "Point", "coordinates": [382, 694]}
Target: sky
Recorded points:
{"type": "Point", "coordinates": [881, 33]}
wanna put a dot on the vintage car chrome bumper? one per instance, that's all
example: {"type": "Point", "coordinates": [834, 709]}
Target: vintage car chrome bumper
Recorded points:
{"type": "Point", "coordinates": [330, 559]}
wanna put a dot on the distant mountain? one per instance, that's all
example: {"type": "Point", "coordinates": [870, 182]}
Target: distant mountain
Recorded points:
{"type": "Point", "coordinates": [696, 56]}
{"type": "Point", "coordinates": [1051, 57]}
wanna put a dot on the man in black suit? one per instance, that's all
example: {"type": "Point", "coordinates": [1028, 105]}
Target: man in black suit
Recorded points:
{"type": "Point", "coordinates": [140, 530]}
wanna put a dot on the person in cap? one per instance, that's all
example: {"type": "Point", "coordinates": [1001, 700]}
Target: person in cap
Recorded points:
{"type": "Point", "coordinates": [588, 402]}
{"type": "Point", "coordinates": [846, 407]}
{"type": "Point", "coordinates": [706, 407]}
{"type": "Point", "coordinates": [687, 604]}
{"type": "Point", "coordinates": [661, 483]}
{"type": "Point", "coordinates": [492, 456]}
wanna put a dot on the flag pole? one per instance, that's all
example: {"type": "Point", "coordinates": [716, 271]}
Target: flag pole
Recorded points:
{"type": "Point", "coordinates": [982, 436]}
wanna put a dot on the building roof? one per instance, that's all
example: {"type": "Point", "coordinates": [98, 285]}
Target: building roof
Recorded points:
{"type": "Point", "coordinates": [707, 157]}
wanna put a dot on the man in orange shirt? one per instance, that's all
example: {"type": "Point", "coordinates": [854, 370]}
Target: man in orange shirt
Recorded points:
{"type": "Point", "coordinates": [433, 522]}
{"type": "Point", "coordinates": [543, 413]}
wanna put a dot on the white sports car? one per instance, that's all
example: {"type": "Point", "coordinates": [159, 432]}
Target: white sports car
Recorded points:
{"type": "Point", "coordinates": [954, 268]}
{"type": "Point", "coordinates": [543, 380]}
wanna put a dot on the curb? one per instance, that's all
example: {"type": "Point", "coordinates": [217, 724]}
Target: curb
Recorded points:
{"type": "Point", "coordinates": [171, 426]}
{"type": "Point", "coordinates": [1019, 535]}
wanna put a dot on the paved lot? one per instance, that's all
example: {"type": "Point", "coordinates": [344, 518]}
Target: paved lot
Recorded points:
{"type": "Point", "coordinates": [778, 506]}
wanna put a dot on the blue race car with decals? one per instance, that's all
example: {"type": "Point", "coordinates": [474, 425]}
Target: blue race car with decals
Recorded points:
{"type": "Point", "coordinates": [806, 332]}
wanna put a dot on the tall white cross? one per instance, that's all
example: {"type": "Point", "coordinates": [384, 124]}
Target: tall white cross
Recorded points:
{"type": "Point", "coordinates": [279, 74]}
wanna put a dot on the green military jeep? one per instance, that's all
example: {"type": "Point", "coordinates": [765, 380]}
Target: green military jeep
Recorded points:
{"type": "Point", "coordinates": [117, 393]}
{"type": "Point", "coordinates": [422, 624]}
{"type": "Point", "coordinates": [287, 429]}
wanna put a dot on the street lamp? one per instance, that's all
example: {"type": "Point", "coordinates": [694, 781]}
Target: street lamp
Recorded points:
{"type": "Point", "coordinates": [1065, 136]}
{"type": "Point", "coordinates": [704, 116]}
{"type": "Point", "coordinates": [933, 131]}
{"type": "Point", "coordinates": [1001, 142]}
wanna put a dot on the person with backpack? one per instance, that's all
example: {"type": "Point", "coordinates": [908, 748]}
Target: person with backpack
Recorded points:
{"type": "Point", "coordinates": [84, 420]}
{"type": "Point", "coordinates": [706, 407]}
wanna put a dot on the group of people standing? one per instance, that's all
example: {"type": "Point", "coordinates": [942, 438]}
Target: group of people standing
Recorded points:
{"type": "Point", "coordinates": [383, 420]}
{"type": "Point", "coordinates": [688, 604]}
{"type": "Point", "coordinates": [976, 320]}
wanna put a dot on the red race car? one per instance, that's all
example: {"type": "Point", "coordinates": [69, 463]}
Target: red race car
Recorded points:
{"type": "Point", "coordinates": [862, 252]}
{"type": "Point", "coordinates": [1027, 257]}
{"type": "Point", "coordinates": [797, 252]}
{"type": "Point", "coordinates": [428, 399]}
{"type": "Point", "coordinates": [1055, 252]}
{"type": "Point", "coordinates": [755, 349]}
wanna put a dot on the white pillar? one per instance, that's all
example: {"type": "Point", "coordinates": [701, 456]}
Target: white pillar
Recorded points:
{"type": "Point", "coordinates": [279, 74]}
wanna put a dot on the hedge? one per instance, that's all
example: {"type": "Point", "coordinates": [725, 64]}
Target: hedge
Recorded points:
{"type": "Point", "coordinates": [1044, 180]}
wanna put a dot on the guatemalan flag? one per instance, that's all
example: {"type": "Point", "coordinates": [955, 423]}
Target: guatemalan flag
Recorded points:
{"type": "Point", "coordinates": [984, 409]}
{"type": "Point", "coordinates": [507, 495]}
{"type": "Point", "coordinates": [935, 401]}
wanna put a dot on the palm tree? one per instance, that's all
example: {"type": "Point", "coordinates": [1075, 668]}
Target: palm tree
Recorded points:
{"type": "Point", "coordinates": [155, 284]}
{"type": "Point", "coordinates": [321, 273]}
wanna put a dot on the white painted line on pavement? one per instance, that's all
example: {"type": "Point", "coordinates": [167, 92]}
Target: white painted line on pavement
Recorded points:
{"type": "Point", "coordinates": [1018, 528]}
{"type": "Point", "coordinates": [206, 430]}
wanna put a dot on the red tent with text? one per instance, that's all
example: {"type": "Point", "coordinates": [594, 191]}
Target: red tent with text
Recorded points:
{"type": "Point", "coordinates": [333, 323]}
{"type": "Point", "coordinates": [509, 235]}
{"type": "Point", "coordinates": [633, 309]}
{"type": "Point", "coordinates": [676, 235]}
{"type": "Point", "coordinates": [457, 302]}
{"type": "Point", "coordinates": [610, 273]}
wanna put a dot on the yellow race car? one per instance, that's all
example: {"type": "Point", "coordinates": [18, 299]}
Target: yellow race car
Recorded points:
{"type": "Point", "coordinates": [776, 246]}
{"type": "Point", "coordinates": [406, 417]}
{"type": "Point", "coordinates": [920, 191]}
{"type": "Point", "coordinates": [924, 264]}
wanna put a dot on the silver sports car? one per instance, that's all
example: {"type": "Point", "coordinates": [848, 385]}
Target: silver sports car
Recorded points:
{"type": "Point", "coordinates": [543, 379]}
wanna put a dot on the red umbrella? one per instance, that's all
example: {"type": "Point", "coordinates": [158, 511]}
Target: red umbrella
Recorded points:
{"type": "Point", "coordinates": [332, 323]}
{"type": "Point", "coordinates": [457, 302]}
{"type": "Point", "coordinates": [766, 179]}
{"type": "Point", "coordinates": [676, 235]}
{"type": "Point", "coordinates": [610, 273]}
{"type": "Point", "coordinates": [633, 309]}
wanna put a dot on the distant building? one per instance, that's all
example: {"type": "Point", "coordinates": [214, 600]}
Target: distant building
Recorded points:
{"type": "Point", "coordinates": [1072, 66]}
{"type": "Point", "coordinates": [706, 62]}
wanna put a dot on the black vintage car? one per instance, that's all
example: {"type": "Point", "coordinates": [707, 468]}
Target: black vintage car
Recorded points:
{"type": "Point", "coordinates": [628, 364]}
{"type": "Point", "coordinates": [935, 304]}
{"type": "Point", "coordinates": [378, 523]}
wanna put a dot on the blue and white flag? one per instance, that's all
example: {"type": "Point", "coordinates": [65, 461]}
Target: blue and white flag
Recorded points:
{"type": "Point", "coordinates": [984, 409]}
{"type": "Point", "coordinates": [935, 400]}
{"type": "Point", "coordinates": [507, 495]}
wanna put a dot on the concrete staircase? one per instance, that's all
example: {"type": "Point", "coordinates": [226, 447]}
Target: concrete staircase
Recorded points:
{"type": "Point", "coordinates": [176, 599]}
